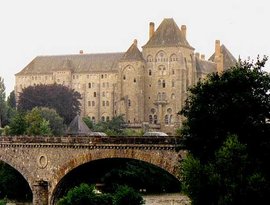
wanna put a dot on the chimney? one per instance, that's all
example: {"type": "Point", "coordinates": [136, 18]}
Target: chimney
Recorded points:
{"type": "Point", "coordinates": [135, 42]}
{"type": "Point", "coordinates": [197, 55]}
{"type": "Point", "coordinates": [151, 29]}
{"type": "Point", "coordinates": [184, 30]}
{"type": "Point", "coordinates": [81, 51]}
{"type": "Point", "coordinates": [202, 56]}
{"type": "Point", "coordinates": [217, 47]}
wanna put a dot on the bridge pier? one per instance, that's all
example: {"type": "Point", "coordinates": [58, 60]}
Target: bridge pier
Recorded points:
{"type": "Point", "coordinates": [40, 193]}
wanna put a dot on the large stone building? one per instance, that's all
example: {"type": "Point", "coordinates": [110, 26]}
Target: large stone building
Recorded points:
{"type": "Point", "coordinates": [148, 86]}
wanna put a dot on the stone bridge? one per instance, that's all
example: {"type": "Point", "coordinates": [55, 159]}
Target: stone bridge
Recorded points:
{"type": "Point", "coordinates": [44, 161]}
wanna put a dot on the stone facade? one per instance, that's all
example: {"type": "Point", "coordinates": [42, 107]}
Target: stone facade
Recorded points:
{"type": "Point", "coordinates": [147, 87]}
{"type": "Point", "coordinates": [45, 161]}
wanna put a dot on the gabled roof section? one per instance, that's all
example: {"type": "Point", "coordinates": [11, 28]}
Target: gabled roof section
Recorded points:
{"type": "Point", "coordinates": [133, 53]}
{"type": "Point", "coordinates": [228, 59]}
{"type": "Point", "coordinates": [103, 62]}
{"type": "Point", "coordinates": [78, 127]}
{"type": "Point", "coordinates": [205, 67]}
{"type": "Point", "coordinates": [167, 34]}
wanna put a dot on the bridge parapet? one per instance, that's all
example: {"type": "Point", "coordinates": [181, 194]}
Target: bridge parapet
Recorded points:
{"type": "Point", "coordinates": [67, 140]}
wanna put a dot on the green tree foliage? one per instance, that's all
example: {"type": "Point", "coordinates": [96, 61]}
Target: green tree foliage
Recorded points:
{"type": "Point", "coordinates": [226, 179]}
{"type": "Point", "coordinates": [11, 100]}
{"type": "Point", "coordinates": [223, 169]}
{"type": "Point", "coordinates": [113, 127]}
{"type": "Point", "coordinates": [236, 102]}
{"type": "Point", "coordinates": [126, 195]}
{"type": "Point", "coordinates": [3, 105]}
{"type": "Point", "coordinates": [56, 123]}
{"type": "Point", "coordinates": [18, 124]}
{"type": "Point", "coordinates": [85, 195]}
{"type": "Point", "coordinates": [61, 98]}
{"type": "Point", "coordinates": [36, 125]}
{"type": "Point", "coordinates": [11, 180]}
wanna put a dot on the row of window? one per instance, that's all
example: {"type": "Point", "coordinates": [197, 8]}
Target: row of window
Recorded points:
{"type": "Point", "coordinates": [168, 119]}
{"type": "Point", "coordinates": [161, 71]}
{"type": "Point", "coordinates": [88, 76]}
{"type": "Point", "coordinates": [93, 103]}
{"type": "Point", "coordinates": [103, 119]}
{"type": "Point", "coordinates": [104, 85]}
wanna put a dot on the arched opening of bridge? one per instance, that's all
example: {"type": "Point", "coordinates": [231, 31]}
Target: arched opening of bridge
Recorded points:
{"type": "Point", "coordinates": [13, 185]}
{"type": "Point", "coordinates": [107, 174]}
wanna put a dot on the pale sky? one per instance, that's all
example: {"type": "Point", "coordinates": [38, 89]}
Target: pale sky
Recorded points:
{"type": "Point", "coordinates": [53, 27]}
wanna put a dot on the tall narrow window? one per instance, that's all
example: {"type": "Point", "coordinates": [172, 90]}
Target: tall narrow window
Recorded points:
{"type": "Point", "coordinates": [163, 84]}
{"type": "Point", "coordinates": [166, 119]}
{"type": "Point", "coordinates": [103, 119]}
{"type": "Point", "coordinates": [155, 119]}
{"type": "Point", "coordinates": [95, 94]}
{"type": "Point", "coordinates": [89, 85]}
{"type": "Point", "coordinates": [107, 103]}
{"type": "Point", "coordinates": [150, 119]}
{"type": "Point", "coordinates": [129, 102]}
{"type": "Point", "coordinates": [150, 72]}
{"type": "Point", "coordinates": [107, 118]}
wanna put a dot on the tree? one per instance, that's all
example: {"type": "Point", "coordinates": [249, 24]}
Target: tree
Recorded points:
{"type": "Point", "coordinates": [84, 194]}
{"type": "Point", "coordinates": [3, 105]}
{"type": "Point", "coordinates": [18, 124]}
{"type": "Point", "coordinates": [56, 123]}
{"type": "Point", "coordinates": [61, 98]}
{"type": "Point", "coordinates": [11, 100]}
{"type": "Point", "coordinates": [225, 169]}
{"type": "Point", "coordinates": [236, 102]}
{"type": "Point", "coordinates": [36, 125]}
{"type": "Point", "coordinates": [125, 195]}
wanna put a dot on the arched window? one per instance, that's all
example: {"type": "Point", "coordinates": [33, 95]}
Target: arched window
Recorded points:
{"type": "Point", "coordinates": [103, 119]}
{"type": "Point", "coordinates": [124, 77]}
{"type": "Point", "coordinates": [173, 57]}
{"type": "Point", "coordinates": [107, 118]}
{"type": "Point", "coordinates": [149, 58]}
{"type": "Point", "coordinates": [150, 72]}
{"type": "Point", "coordinates": [150, 119]}
{"type": "Point", "coordinates": [95, 94]}
{"type": "Point", "coordinates": [93, 119]}
{"type": "Point", "coordinates": [173, 96]}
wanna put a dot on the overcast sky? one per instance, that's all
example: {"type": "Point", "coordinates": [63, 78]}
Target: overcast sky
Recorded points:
{"type": "Point", "coordinates": [52, 27]}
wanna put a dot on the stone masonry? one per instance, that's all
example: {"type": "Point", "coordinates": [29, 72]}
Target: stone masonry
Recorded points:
{"type": "Point", "coordinates": [44, 161]}
{"type": "Point", "coordinates": [147, 87]}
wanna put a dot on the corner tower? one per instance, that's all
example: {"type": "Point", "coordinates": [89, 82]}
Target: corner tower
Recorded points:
{"type": "Point", "coordinates": [131, 85]}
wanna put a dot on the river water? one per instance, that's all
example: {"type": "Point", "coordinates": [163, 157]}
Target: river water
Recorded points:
{"type": "Point", "coordinates": [166, 199]}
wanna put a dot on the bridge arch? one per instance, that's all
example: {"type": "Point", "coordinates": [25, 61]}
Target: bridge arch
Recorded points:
{"type": "Point", "coordinates": [159, 159]}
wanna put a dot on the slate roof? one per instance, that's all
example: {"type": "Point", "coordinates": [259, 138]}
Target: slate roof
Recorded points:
{"type": "Point", "coordinates": [205, 67]}
{"type": "Point", "coordinates": [228, 59]}
{"type": "Point", "coordinates": [77, 63]}
{"type": "Point", "coordinates": [167, 34]}
{"type": "Point", "coordinates": [133, 54]}
{"type": "Point", "coordinates": [78, 127]}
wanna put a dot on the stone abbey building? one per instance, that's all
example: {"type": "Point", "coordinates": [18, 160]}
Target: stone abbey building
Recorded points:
{"type": "Point", "coordinates": [147, 86]}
